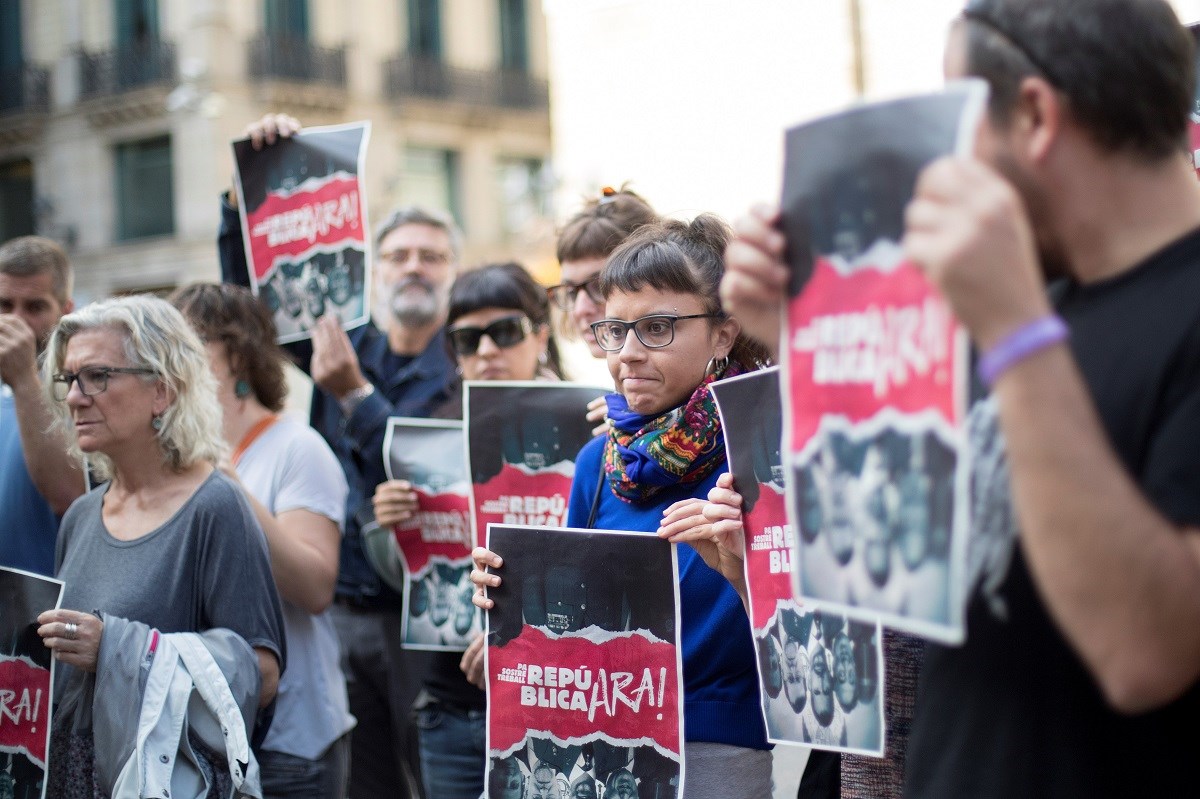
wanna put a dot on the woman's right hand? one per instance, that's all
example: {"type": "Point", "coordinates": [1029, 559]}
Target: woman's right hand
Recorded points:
{"type": "Point", "coordinates": [395, 502]}
{"type": "Point", "coordinates": [482, 579]}
{"type": "Point", "coordinates": [73, 636]}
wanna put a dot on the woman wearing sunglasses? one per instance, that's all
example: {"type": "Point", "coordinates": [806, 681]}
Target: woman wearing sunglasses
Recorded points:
{"type": "Point", "coordinates": [498, 327]}
{"type": "Point", "coordinates": [667, 340]}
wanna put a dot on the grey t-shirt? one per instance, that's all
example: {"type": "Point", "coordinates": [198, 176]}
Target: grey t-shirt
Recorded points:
{"type": "Point", "coordinates": [207, 566]}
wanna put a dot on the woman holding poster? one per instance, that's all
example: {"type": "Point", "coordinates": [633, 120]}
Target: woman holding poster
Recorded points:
{"type": "Point", "coordinates": [667, 340]}
{"type": "Point", "coordinates": [498, 325]}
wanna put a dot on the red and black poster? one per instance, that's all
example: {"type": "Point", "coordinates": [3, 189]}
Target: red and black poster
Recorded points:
{"type": "Point", "coordinates": [26, 677]}
{"type": "Point", "coordinates": [303, 208]}
{"type": "Point", "coordinates": [876, 370]}
{"type": "Point", "coordinates": [820, 676]}
{"type": "Point", "coordinates": [435, 545]}
{"type": "Point", "coordinates": [522, 439]}
{"type": "Point", "coordinates": [584, 666]}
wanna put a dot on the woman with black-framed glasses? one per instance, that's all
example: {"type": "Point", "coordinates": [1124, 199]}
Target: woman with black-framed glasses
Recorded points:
{"type": "Point", "coordinates": [665, 446]}
{"type": "Point", "coordinates": [498, 328]}
{"type": "Point", "coordinates": [166, 541]}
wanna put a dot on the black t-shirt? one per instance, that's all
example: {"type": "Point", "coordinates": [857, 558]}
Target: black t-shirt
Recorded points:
{"type": "Point", "coordinates": [1014, 712]}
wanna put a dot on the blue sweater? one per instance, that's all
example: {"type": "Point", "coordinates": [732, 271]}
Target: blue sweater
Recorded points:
{"type": "Point", "coordinates": [720, 679]}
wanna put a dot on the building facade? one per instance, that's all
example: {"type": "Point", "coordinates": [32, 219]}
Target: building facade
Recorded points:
{"type": "Point", "coordinates": [116, 118]}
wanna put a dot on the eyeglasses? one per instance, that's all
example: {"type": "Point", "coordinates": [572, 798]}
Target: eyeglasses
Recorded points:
{"type": "Point", "coordinates": [92, 380]}
{"type": "Point", "coordinates": [564, 294]}
{"type": "Point", "coordinates": [655, 331]}
{"type": "Point", "coordinates": [424, 256]}
{"type": "Point", "coordinates": [505, 333]}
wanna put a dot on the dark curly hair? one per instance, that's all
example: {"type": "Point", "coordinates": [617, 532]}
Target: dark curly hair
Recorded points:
{"type": "Point", "coordinates": [231, 315]}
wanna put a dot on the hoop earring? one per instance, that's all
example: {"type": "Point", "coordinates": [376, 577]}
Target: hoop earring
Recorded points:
{"type": "Point", "coordinates": [716, 366]}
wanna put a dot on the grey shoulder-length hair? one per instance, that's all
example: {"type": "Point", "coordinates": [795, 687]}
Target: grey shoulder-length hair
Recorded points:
{"type": "Point", "coordinates": [155, 337]}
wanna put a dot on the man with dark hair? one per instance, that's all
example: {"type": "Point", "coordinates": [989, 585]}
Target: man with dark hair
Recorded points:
{"type": "Point", "coordinates": [361, 379]}
{"type": "Point", "coordinates": [1081, 184]}
{"type": "Point", "coordinates": [38, 480]}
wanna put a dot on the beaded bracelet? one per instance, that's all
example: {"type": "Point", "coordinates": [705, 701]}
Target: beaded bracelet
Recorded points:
{"type": "Point", "coordinates": [1026, 340]}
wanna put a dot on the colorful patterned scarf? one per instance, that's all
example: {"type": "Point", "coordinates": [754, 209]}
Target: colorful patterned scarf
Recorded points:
{"type": "Point", "coordinates": [645, 454]}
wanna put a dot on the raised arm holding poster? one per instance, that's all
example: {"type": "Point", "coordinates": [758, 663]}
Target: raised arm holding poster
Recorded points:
{"type": "Point", "coordinates": [26, 683]}
{"type": "Point", "coordinates": [303, 209]}
{"type": "Point", "coordinates": [434, 546]}
{"type": "Point", "coordinates": [876, 370]}
{"type": "Point", "coordinates": [820, 675]}
{"type": "Point", "coordinates": [522, 439]}
{"type": "Point", "coordinates": [584, 666]}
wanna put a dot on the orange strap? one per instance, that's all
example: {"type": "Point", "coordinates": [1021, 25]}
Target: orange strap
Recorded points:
{"type": "Point", "coordinates": [251, 435]}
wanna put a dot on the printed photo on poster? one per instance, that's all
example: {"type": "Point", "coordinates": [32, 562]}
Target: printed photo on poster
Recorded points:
{"type": "Point", "coordinates": [434, 546]}
{"type": "Point", "coordinates": [875, 370]}
{"type": "Point", "coordinates": [522, 439]}
{"type": "Point", "coordinates": [797, 691]}
{"type": "Point", "coordinates": [303, 209]}
{"type": "Point", "coordinates": [584, 666]}
{"type": "Point", "coordinates": [26, 680]}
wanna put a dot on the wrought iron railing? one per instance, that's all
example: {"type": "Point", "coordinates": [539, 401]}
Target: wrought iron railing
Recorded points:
{"type": "Point", "coordinates": [297, 59]}
{"type": "Point", "coordinates": [126, 67]}
{"type": "Point", "coordinates": [24, 88]}
{"type": "Point", "coordinates": [422, 76]}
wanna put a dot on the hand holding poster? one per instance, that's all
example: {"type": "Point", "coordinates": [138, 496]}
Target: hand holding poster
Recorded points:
{"type": "Point", "coordinates": [435, 543]}
{"type": "Point", "coordinates": [583, 665]}
{"type": "Point", "coordinates": [875, 370]}
{"type": "Point", "coordinates": [26, 680]}
{"type": "Point", "coordinates": [522, 439]}
{"type": "Point", "coordinates": [820, 676]}
{"type": "Point", "coordinates": [303, 210]}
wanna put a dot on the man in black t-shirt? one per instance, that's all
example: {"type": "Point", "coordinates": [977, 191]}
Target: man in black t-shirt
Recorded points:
{"type": "Point", "coordinates": [1080, 674]}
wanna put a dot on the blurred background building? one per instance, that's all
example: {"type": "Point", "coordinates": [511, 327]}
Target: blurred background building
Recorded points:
{"type": "Point", "coordinates": [116, 118]}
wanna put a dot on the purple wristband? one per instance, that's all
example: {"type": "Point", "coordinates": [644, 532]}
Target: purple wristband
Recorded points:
{"type": "Point", "coordinates": [1019, 345]}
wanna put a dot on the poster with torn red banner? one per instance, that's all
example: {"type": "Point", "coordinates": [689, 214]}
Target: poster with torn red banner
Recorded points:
{"type": "Point", "coordinates": [434, 545]}
{"type": "Point", "coordinates": [522, 439]}
{"type": "Point", "coordinates": [876, 370]}
{"type": "Point", "coordinates": [303, 210]}
{"type": "Point", "coordinates": [584, 666]}
{"type": "Point", "coordinates": [26, 682]}
{"type": "Point", "coordinates": [820, 676]}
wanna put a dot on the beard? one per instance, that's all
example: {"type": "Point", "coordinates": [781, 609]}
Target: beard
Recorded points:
{"type": "Point", "coordinates": [414, 302]}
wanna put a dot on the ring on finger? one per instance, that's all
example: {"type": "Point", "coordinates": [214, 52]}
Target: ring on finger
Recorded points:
{"type": "Point", "coordinates": [72, 631]}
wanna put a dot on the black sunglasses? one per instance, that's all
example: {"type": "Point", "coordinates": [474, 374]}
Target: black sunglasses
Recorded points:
{"type": "Point", "coordinates": [506, 332]}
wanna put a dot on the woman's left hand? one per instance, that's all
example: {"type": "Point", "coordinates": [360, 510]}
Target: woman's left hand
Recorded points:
{"type": "Point", "coordinates": [713, 527]}
{"type": "Point", "coordinates": [472, 664]}
{"type": "Point", "coordinates": [73, 636]}
{"type": "Point", "coordinates": [597, 410]}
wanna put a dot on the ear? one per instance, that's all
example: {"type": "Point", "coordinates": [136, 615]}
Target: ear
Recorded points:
{"type": "Point", "coordinates": [1040, 116]}
{"type": "Point", "coordinates": [724, 335]}
{"type": "Point", "coordinates": [163, 398]}
{"type": "Point", "coordinates": [68, 306]}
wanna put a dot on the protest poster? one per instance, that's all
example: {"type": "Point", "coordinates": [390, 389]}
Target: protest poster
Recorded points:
{"type": "Point", "coordinates": [434, 546]}
{"type": "Point", "coordinates": [584, 665]}
{"type": "Point", "coordinates": [832, 699]}
{"type": "Point", "coordinates": [522, 439]}
{"type": "Point", "coordinates": [26, 680]}
{"type": "Point", "coordinates": [875, 370]}
{"type": "Point", "coordinates": [303, 210]}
